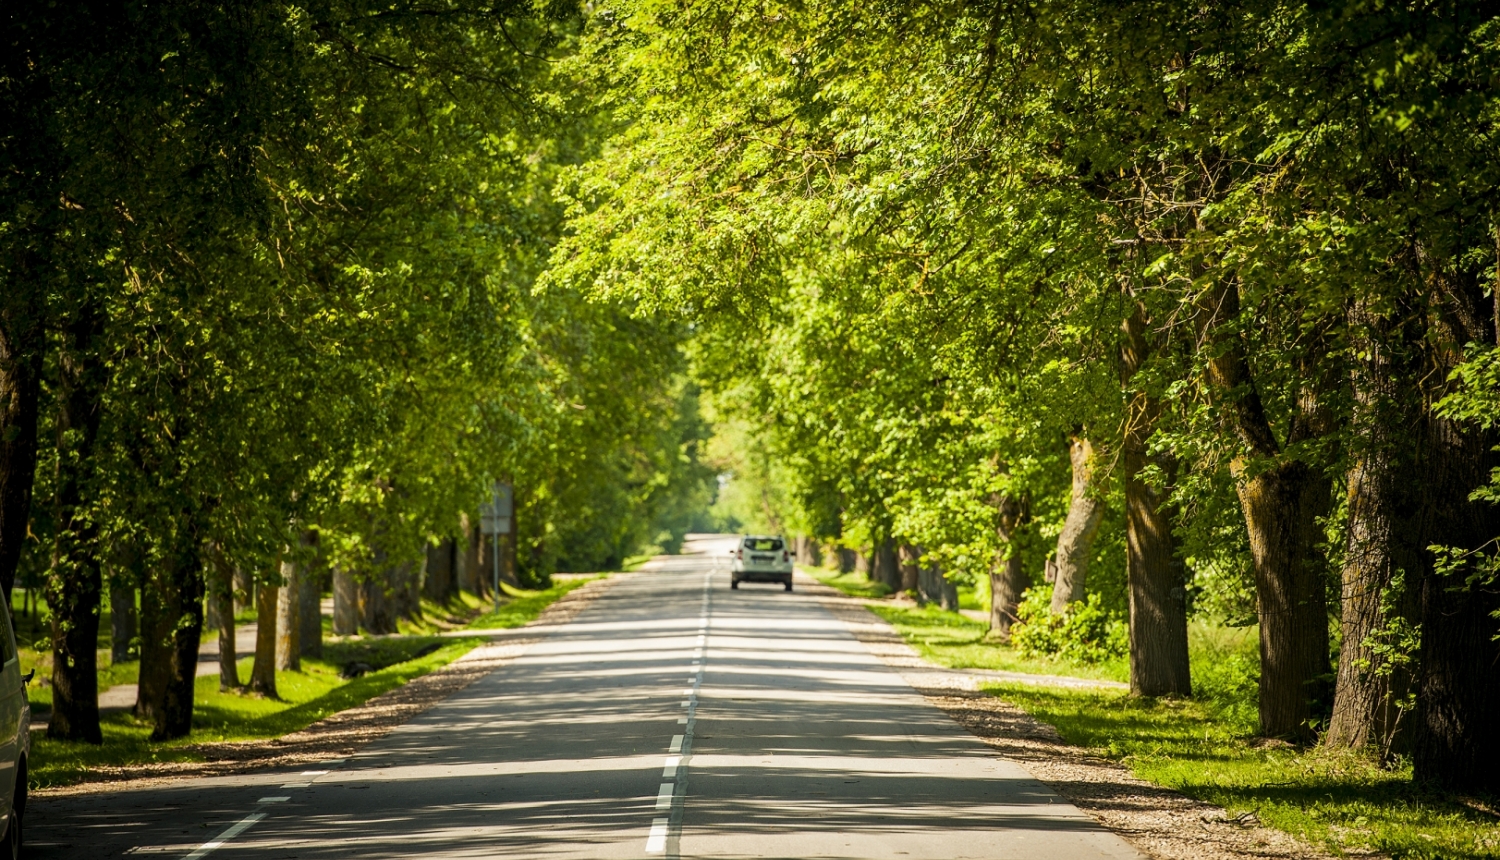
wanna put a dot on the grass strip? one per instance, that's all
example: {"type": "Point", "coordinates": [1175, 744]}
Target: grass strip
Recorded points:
{"type": "Point", "coordinates": [524, 606]}
{"type": "Point", "coordinates": [1338, 799]}
{"type": "Point", "coordinates": [956, 641]}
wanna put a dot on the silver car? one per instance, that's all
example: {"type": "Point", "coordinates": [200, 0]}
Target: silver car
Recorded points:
{"type": "Point", "coordinates": [15, 738]}
{"type": "Point", "coordinates": [761, 558]}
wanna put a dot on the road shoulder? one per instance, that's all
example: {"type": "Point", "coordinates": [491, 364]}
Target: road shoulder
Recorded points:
{"type": "Point", "coordinates": [1158, 821]}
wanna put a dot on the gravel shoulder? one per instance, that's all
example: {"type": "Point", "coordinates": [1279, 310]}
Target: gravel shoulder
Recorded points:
{"type": "Point", "coordinates": [1158, 821]}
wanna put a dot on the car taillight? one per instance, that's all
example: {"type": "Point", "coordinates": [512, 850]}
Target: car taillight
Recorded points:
{"type": "Point", "coordinates": [739, 553]}
{"type": "Point", "coordinates": [785, 557]}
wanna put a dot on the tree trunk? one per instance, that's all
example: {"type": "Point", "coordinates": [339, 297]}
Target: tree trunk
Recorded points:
{"type": "Point", "coordinates": [345, 602]}
{"type": "Point", "coordinates": [221, 596]}
{"type": "Point", "coordinates": [1154, 576]}
{"type": "Point", "coordinates": [862, 564]}
{"type": "Point", "coordinates": [1281, 507]}
{"type": "Point", "coordinates": [288, 617]}
{"type": "Point", "coordinates": [21, 345]}
{"type": "Point", "coordinates": [1008, 573]}
{"type": "Point", "coordinates": [77, 580]}
{"type": "Point", "coordinates": [263, 671]}
{"type": "Point", "coordinates": [172, 627]}
{"type": "Point", "coordinates": [472, 575]}
{"type": "Point", "coordinates": [244, 589]}
{"type": "Point", "coordinates": [122, 617]}
{"type": "Point", "coordinates": [1282, 500]}
{"type": "Point", "coordinates": [440, 581]}
{"type": "Point", "coordinates": [1455, 745]}
{"type": "Point", "coordinates": [1378, 544]}
{"type": "Point", "coordinates": [886, 567]}
{"type": "Point", "coordinates": [848, 560]}
{"type": "Point", "coordinates": [374, 599]}
{"type": "Point", "coordinates": [933, 587]}
{"type": "Point", "coordinates": [910, 568]}
{"type": "Point", "coordinates": [310, 613]}
{"type": "Point", "coordinates": [1075, 545]}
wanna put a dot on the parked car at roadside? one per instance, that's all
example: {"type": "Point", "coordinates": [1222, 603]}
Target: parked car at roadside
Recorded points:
{"type": "Point", "coordinates": [15, 739]}
{"type": "Point", "coordinates": [761, 558]}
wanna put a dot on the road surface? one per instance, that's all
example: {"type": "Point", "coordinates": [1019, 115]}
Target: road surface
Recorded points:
{"type": "Point", "coordinates": [673, 717]}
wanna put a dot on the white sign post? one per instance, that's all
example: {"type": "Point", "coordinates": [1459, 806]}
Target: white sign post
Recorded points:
{"type": "Point", "coordinates": [494, 519]}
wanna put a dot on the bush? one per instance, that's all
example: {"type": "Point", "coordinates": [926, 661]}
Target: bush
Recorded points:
{"type": "Point", "coordinates": [1085, 632]}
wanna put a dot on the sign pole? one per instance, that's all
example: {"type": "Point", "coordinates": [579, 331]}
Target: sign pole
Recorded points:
{"type": "Point", "coordinates": [497, 571]}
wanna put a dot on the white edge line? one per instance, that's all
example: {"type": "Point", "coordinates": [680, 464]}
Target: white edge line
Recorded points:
{"type": "Point", "coordinates": [234, 830]}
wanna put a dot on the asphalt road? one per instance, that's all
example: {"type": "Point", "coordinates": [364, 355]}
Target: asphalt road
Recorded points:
{"type": "Point", "coordinates": [673, 717]}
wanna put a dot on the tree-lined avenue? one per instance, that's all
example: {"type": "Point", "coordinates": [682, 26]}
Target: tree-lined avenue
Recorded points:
{"type": "Point", "coordinates": [801, 743]}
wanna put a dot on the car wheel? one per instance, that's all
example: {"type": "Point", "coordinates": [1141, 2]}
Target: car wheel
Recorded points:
{"type": "Point", "coordinates": [788, 584]}
{"type": "Point", "coordinates": [13, 835]}
{"type": "Point", "coordinates": [734, 584]}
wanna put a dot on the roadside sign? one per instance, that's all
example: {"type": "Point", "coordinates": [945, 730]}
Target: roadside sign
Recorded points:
{"type": "Point", "coordinates": [495, 516]}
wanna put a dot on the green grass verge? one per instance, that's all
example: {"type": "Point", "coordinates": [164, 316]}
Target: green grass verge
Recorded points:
{"type": "Point", "coordinates": [523, 605]}
{"type": "Point", "coordinates": [1340, 800]}
{"type": "Point", "coordinates": [852, 584]}
{"type": "Point", "coordinates": [958, 642]}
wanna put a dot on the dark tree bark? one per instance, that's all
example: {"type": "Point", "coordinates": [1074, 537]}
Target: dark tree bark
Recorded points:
{"type": "Point", "coordinates": [473, 571]}
{"type": "Point", "coordinates": [77, 579]}
{"type": "Point", "coordinates": [376, 614]}
{"type": "Point", "coordinates": [1158, 599]}
{"type": "Point", "coordinates": [1455, 745]}
{"type": "Point", "coordinates": [171, 629]}
{"type": "Point", "coordinates": [21, 344]}
{"type": "Point", "coordinates": [933, 587]}
{"type": "Point", "coordinates": [263, 670]}
{"type": "Point", "coordinates": [885, 566]}
{"type": "Point", "coordinates": [848, 560]}
{"type": "Point", "coordinates": [123, 622]}
{"type": "Point", "coordinates": [1008, 573]}
{"type": "Point", "coordinates": [310, 614]}
{"type": "Point", "coordinates": [1282, 500]}
{"type": "Point", "coordinates": [1075, 544]}
{"type": "Point", "coordinates": [440, 581]}
{"type": "Point", "coordinates": [1379, 538]}
{"type": "Point", "coordinates": [345, 602]}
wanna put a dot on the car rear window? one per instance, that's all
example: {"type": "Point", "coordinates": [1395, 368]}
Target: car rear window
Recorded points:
{"type": "Point", "coordinates": [763, 544]}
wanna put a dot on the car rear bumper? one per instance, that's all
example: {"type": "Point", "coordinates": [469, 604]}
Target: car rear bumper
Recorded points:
{"type": "Point", "coordinates": [762, 576]}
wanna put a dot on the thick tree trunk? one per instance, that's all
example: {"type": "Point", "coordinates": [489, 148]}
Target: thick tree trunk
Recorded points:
{"type": "Point", "coordinates": [21, 345]}
{"type": "Point", "coordinates": [933, 587]}
{"type": "Point", "coordinates": [848, 560]}
{"type": "Point", "coordinates": [439, 583]}
{"type": "Point", "coordinates": [1075, 545]}
{"type": "Point", "coordinates": [74, 588]}
{"type": "Point", "coordinates": [1281, 507]}
{"type": "Point", "coordinates": [1379, 542]}
{"type": "Point", "coordinates": [310, 612]}
{"type": "Point", "coordinates": [887, 568]}
{"type": "Point", "coordinates": [345, 602]}
{"type": "Point", "coordinates": [1154, 576]}
{"type": "Point", "coordinates": [289, 618]}
{"type": "Point", "coordinates": [123, 626]}
{"type": "Point", "coordinates": [171, 629]}
{"type": "Point", "coordinates": [221, 597]}
{"type": "Point", "coordinates": [1455, 745]}
{"type": "Point", "coordinates": [263, 671]}
{"type": "Point", "coordinates": [910, 568]}
{"type": "Point", "coordinates": [374, 599]}
{"type": "Point", "coordinates": [1282, 500]}
{"type": "Point", "coordinates": [1007, 573]}
{"type": "Point", "coordinates": [862, 564]}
